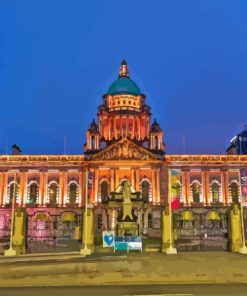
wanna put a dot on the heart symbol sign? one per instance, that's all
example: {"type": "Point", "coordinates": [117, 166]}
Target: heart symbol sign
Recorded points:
{"type": "Point", "coordinates": [108, 238]}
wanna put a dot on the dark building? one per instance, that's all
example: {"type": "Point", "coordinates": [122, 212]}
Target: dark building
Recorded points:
{"type": "Point", "coordinates": [238, 143]}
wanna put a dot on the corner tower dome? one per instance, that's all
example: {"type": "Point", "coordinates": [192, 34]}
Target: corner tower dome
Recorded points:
{"type": "Point", "coordinates": [124, 85]}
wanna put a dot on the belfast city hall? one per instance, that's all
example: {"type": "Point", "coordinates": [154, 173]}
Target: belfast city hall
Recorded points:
{"type": "Point", "coordinates": [124, 184]}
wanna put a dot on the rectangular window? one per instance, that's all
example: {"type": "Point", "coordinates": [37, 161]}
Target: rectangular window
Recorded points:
{"type": "Point", "coordinates": [150, 221]}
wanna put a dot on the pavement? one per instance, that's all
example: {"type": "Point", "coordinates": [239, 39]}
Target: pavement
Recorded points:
{"type": "Point", "coordinates": [123, 269]}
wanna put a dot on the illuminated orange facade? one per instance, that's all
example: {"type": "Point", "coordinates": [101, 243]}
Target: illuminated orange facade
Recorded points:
{"type": "Point", "coordinates": [123, 144]}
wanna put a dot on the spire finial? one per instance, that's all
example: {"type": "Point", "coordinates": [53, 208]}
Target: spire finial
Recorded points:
{"type": "Point", "coordinates": [124, 72]}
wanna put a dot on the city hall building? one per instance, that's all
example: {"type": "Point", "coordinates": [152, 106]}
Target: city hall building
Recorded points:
{"type": "Point", "coordinates": [124, 144]}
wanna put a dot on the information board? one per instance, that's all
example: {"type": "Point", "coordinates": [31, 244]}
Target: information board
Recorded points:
{"type": "Point", "coordinates": [126, 243]}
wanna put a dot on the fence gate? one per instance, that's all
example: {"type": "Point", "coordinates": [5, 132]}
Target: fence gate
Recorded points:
{"type": "Point", "coordinates": [59, 232]}
{"type": "Point", "coordinates": [200, 230]}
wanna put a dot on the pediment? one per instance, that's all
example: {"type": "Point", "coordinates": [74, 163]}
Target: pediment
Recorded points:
{"type": "Point", "coordinates": [125, 149]}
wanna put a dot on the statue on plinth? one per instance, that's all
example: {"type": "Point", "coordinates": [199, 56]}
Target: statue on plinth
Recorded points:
{"type": "Point", "coordinates": [126, 201]}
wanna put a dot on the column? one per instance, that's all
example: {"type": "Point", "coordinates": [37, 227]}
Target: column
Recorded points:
{"type": "Point", "coordinates": [115, 127]}
{"type": "Point", "coordinates": [139, 128]}
{"type": "Point", "coordinates": [184, 187]}
{"type": "Point", "coordinates": [112, 181]}
{"type": "Point", "coordinates": [204, 178]}
{"type": "Point", "coordinates": [61, 189]}
{"type": "Point", "coordinates": [23, 188]}
{"type": "Point", "coordinates": [133, 128]}
{"type": "Point", "coordinates": [153, 186]}
{"type": "Point", "coordinates": [137, 184]}
{"type": "Point", "coordinates": [96, 185]}
{"type": "Point", "coordinates": [113, 219]}
{"type": "Point", "coordinates": [187, 187]}
{"type": "Point", "coordinates": [82, 187]}
{"type": "Point", "coordinates": [207, 187]}
{"type": "Point", "coordinates": [65, 186]}
{"type": "Point", "coordinates": [45, 189]}
{"type": "Point", "coordinates": [127, 125]}
{"type": "Point", "coordinates": [116, 179]}
{"type": "Point", "coordinates": [145, 221]}
{"type": "Point", "coordinates": [5, 189]}
{"type": "Point", "coordinates": [224, 187]}
{"type": "Point", "coordinates": [109, 128]}
{"type": "Point", "coordinates": [121, 126]}
{"type": "Point", "coordinates": [133, 177]}
{"type": "Point", "coordinates": [1, 188]}
{"type": "Point", "coordinates": [158, 186]}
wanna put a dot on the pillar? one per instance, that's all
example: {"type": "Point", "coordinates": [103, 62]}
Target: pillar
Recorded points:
{"type": "Point", "coordinates": [158, 186]}
{"type": "Point", "coordinates": [23, 188]}
{"type": "Point", "coordinates": [5, 187]}
{"type": "Point", "coordinates": [115, 127]}
{"type": "Point", "coordinates": [61, 189]}
{"type": "Point", "coordinates": [18, 235]}
{"type": "Point", "coordinates": [65, 186]}
{"type": "Point", "coordinates": [168, 245]}
{"type": "Point", "coordinates": [153, 186]}
{"type": "Point", "coordinates": [184, 187]}
{"type": "Point", "coordinates": [88, 246]}
{"type": "Point", "coordinates": [145, 229]}
{"type": "Point", "coordinates": [96, 185]}
{"type": "Point", "coordinates": [1, 188]}
{"type": "Point", "coordinates": [139, 128]}
{"type": "Point", "coordinates": [116, 179]}
{"type": "Point", "coordinates": [113, 219]}
{"type": "Point", "coordinates": [224, 186]}
{"type": "Point", "coordinates": [205, 187]}
{"type": "Point", "coordinates": [137, 184]}
{"type": "Point", "coordinates": [112, 181]}
{"type": "Point", "coordinates": [82, 186]}
{"type": "Point", "coordinates": [133, 177]}
{"type": "Point", "coordinates": [133, 128]}
{"type": "Point", "coordinates": [44, 197]}
{"type": "Point", "coordinates": [235, 235]}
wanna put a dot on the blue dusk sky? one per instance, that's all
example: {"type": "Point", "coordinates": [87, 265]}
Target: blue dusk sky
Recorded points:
{"type": "Point", "coordinates": [57, 59]}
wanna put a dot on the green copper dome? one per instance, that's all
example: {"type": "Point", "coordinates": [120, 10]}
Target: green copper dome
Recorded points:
{"type": "Point", "coordinates": [124, 85]}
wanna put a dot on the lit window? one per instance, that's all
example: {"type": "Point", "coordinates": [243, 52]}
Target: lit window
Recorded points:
{"type": "Point", "coordinates": [33, 193]}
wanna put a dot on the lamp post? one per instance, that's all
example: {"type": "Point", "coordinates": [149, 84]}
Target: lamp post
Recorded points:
{"type": "Point", "coordinates": [85, 250]}
{"type": "Point", "coordinates": [11, 251]}
{"type": "Point", "coordinates": [171, 249]}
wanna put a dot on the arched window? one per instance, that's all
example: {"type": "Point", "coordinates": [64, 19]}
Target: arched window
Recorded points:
{"type": "Point", "coordinates": [145, 190]}
{"type": "Point", "coordinates": [33, 193]}
{"type": "Point", "coordinates": [234, 192]}
{"type": "Point", "coordinates": [13, 193]}
{"type": "Point", "coordinates": [104, 189]}
{"type": "Point", "coordinates": [215, 192]}
{"type": "Point", "coordinates": [73, 192]}
{"type": "Point", "coordinates": [195, 191]}
{"type": "Point", "coordinates": [53, 193]}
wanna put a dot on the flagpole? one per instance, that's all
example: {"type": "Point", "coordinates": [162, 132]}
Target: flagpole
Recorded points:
{"type": "Point", "coordinates": [85, 250]}
{"type": "Point", "coordinates": [243, 249]}
{"type": "Point", "coordinates": [171, 249]}
{"type": "Point", "coordinates": [11, 251]}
